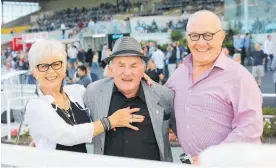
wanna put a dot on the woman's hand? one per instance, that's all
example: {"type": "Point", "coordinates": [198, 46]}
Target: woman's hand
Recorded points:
{"type": "Point", "coordinates": [124, 118]}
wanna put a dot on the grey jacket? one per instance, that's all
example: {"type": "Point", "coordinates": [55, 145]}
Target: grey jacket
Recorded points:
{"type": "Point", "coordinates": [159, 101]}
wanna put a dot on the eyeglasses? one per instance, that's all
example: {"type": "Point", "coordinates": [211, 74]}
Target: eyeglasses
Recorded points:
{"type": "Point", "coordinates": [44, 67]}
{"type": "Point", "coordinates": [206, 36]}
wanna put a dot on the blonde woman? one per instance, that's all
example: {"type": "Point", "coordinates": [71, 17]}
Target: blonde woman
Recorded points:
{"type": "Point", "coordinates": [57, 118]}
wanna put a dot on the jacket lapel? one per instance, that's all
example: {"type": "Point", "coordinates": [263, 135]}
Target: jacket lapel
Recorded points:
{"type": "Point", "coordinates": [104, 103]}
{"type": "Point", "coordinates": [156, 114]}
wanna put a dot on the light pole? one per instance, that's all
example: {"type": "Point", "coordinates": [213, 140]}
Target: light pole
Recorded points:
{"type": "Point", "coordinates": [245, 2]}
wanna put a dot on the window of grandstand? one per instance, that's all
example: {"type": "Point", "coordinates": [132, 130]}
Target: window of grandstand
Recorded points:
{"type": "Point", "coordinates": [15, 10]}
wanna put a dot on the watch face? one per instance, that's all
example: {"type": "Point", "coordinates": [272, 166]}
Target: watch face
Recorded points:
{"type": "Point", "coordinates": [184, 158]}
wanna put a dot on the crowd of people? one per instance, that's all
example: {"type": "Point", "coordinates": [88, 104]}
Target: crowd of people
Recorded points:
{"type": "Point", "coordinates": [259, 57]}
{"type": "Point", "coordinates": [80, 18]}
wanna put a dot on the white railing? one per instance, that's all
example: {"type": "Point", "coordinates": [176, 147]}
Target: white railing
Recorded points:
{"type": "Point", "coordinates": [22, 156]}
{"type": "Point", "coordinates": [224, 155]}
{"type": "Point", "coordinates": [9, 112]}
{"type": "Point", "coordinates": [269, 95]}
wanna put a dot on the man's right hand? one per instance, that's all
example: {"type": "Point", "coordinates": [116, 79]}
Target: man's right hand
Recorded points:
{"type": "Point", "coordinates": [124, 117]}
{"type": "Point", "coordinates": [32, 144]}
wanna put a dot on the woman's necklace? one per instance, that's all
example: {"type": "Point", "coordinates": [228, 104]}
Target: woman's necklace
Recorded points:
{"type": "Point", "coordinates": [65, 107]}
{"type": "Point", "coordinates": [67, 112]}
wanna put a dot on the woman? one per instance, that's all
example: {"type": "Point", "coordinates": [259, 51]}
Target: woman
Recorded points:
{"type": "Point", "coordinates": [153, 73]}
{"type": "Point", "coordinates": [57, 118]}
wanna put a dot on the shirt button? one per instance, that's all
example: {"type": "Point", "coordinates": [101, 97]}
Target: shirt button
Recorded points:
{"type": "Point", "coordinates": [188, 126]}
{"type": "Point", "coordinates": [126, 141]}
{"type": "Point", "coordinates": [189, 90]}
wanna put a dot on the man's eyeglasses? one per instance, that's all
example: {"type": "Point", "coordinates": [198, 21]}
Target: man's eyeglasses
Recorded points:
{"type": "Point", "coordinates": [206, 36]}
{"type": "Point", "coordinates": [44, 67]}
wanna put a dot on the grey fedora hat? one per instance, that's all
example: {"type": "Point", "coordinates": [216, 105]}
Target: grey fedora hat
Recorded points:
{"type": "Point", "coordinates": [126, 46]}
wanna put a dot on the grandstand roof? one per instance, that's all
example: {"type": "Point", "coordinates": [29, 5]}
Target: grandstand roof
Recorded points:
{"type": "Point", "coordinates": [23, 0]}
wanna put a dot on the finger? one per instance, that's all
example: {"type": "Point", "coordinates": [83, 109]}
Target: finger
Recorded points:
{"type": "Point", "coordinates": [133, 110]}
{"type": "Point", "coordinates": [137, 116]}
{"type": "Point", "coordinates": [149, 82]}
{"type": "Point", "coordinates": [132, 127]}
{"type": "Point", "coordinates": [138, 120]}
{"type": "Point", "coordinates": [114, 129]}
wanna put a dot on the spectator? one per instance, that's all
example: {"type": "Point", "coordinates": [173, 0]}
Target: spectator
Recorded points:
{"type": "Point", "coordinates": [104, 54]}
{"type": "Point", "coordinates": [236, 43]}
{"type": "Point", "coordinates": [72, 54]}
{"type": "Point", "coordinates": [89, 56]}
{"type": "Point", "coordinates": [173, 59]}
{"type": "Point", "coordinates": [168, 55]}
{"type": "Point", "coordinates": [8, 69]}
{"type": "Point", "coordinates": [153, 72]}
{"type": "Point", "coordinates": [158, 58]}
{"type": "Point", "coordinates": [258, 66]}
{"type": "Point", "coordinates": [81, 55]}
{"type": "Point", "coordinates": [63, 28]}
{"type": "Point", "coordinates": [247, 42]}
{"type": "Point", "coordinates": [83, 79]}
{"type": "Point", "coordinates": [268, 50]}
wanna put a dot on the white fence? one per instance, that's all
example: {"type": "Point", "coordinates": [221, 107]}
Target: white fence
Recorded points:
{"type": "Point", "coordinates": [22, 156]}
{"type": "Point", "coordinates": [225, 155]}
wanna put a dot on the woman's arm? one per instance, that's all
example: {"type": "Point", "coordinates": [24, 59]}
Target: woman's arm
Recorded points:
{"type": "Point", "coordinates": [43, 120]}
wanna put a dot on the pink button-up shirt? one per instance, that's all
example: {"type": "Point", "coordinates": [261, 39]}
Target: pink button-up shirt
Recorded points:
{"type": "Point", "coordinates": [224, 105]}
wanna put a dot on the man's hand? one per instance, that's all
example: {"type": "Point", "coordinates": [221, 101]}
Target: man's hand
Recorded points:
{"type": "Point", "coordinates": [148, 79]}
{"type": "Point", "coordinates": [124, 117]}
{"type": "Point", "coordinates": [32, 144]}
{"type": "Point", "coordinates": [196, 160]}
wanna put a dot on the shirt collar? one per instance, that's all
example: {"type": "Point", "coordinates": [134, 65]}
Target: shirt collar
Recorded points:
{"type": "Point", "coordinates": [220, 62]}
{"type": "Point", "coordinates": [140, 92]}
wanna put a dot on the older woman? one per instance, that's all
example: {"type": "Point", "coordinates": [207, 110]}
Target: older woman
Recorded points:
{"type": "Point", "coordinates": [57, 118]}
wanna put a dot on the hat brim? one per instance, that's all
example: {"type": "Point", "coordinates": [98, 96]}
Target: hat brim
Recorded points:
{"type": "Point", "coordinates": [108, 59]}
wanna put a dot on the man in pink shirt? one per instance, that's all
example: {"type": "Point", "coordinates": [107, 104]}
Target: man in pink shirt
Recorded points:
{"type": "Point", "coordinates": [216, 99]}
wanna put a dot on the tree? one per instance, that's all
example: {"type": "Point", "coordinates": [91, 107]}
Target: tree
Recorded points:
{"type": "Point", "coordinates": [176, 35]}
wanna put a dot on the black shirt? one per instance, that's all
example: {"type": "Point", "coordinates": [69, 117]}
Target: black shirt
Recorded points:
{"type": "Point", "coordinates": [154, 75]}
{"type": "Point", "coordinates": [172, 59]}
{"type": "Point", "coordinates": [125, 141]}
{"type": "Point", "coordinates": [80, 118]}
{"type": "Point", "coordinates": [258, 57]}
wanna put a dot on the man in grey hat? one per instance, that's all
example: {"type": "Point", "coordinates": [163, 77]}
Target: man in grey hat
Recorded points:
{"type": "Point", "coordinates": [146, 140]}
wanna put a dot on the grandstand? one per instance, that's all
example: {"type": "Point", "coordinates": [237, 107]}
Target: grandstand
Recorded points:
{"type": "Point", "coordinates": [72, 13]}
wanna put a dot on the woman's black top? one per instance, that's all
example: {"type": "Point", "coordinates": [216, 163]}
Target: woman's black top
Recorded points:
{"type": "Point", "coordinates": [81, 117]}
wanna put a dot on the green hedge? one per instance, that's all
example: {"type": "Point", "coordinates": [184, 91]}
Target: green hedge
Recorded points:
{"type": "Point", "coordinates": [269, 111]}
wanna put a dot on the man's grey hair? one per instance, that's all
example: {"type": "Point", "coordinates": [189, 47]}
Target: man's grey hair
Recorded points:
{"type": "Point", "coordinates": [43, 49]}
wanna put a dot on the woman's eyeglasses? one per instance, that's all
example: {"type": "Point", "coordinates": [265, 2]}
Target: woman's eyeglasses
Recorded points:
{"type": "Point", "coordinates": [206, 36]}
{"type": "Point", "coordinates": [44, 67]}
